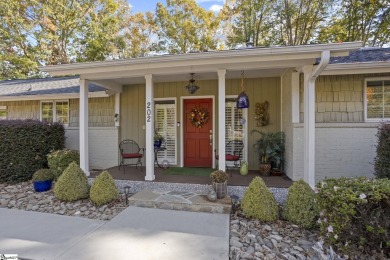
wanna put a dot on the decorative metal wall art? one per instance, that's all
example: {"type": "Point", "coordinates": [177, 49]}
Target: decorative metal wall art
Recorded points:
{"type": "Point", "coordinates": [261, 113]}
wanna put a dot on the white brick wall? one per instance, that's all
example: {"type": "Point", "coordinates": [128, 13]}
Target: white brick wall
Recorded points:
{"type": "Point", "coordinates": [103, 145]}
{"type": "Point", "coordinates": [342, 149]}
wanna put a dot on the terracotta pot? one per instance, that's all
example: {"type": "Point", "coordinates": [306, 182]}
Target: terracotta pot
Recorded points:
{"type": "Point", "coordinates": [265, 169]}
{"type": "Point", "coordinates": [220, 188]}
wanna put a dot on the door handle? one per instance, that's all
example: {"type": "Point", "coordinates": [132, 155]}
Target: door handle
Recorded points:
{"type": "Point", "coordinates": [211, 140]}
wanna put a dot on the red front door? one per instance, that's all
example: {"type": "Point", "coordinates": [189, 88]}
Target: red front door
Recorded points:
{"type": "Point", "coordinates": [197, 143]}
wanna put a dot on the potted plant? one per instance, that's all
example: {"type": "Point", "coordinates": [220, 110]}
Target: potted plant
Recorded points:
{"type": "Point", "coordinates": [158, 139]}
{"type": "Point", "coordinates": [42, 180]}
{"type": "Point", "coordinates": [270, 147]}
{"type": "Point", "coordinates": [219, 182]}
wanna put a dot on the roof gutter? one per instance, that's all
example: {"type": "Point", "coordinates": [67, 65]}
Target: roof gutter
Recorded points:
{"type": "Point", "coordinates": [357, 68]}
{"type": "Point", "coordinates": [54, 96]}
{"type": "Point", "coordinates": [325, 57]}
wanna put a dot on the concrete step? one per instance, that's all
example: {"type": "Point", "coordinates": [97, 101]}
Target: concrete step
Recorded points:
{"type": "Point", "coordinates": [179, 200]}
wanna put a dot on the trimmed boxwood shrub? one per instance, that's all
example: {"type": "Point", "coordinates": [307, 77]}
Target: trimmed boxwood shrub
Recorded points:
{"type": "Point", "coordinates": [354, 212]}
{"type": "Point", "coordinates": [24, 145]}
{"type": "Point", "coordinates": [259, 202]}
{"type": "Point", "coordinates": [300, 207]}
{"type": "Point", "coordinates": [72, 184]}
{"type": "Point", "coordinates": [103, 189]}
{"type": "Point", "coordinates": [59, 160]}
{"type": "Point", "coordinates": [43, 175]}
{"type": "Point", "coordinates": [382, 159]}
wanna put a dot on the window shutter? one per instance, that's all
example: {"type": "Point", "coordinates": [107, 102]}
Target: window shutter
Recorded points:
{"type": "Point", "coordinates": [378, 99]}
{"type": "Point", "coordinates": [234, 128]}
{"type": "Point", "coordinates": [166, 126]}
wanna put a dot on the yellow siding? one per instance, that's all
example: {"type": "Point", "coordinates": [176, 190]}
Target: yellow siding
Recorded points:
{"type": "Point", "coordinates": [339, 98]}
{"type": "Point", "coordinates": [22, 109]}
{"type": "Point", "coordinates": [132, 118]}
{"type": "Point", "coordinates": [101, 111]}
{"type": "Point", "coordinates": [258, 90]}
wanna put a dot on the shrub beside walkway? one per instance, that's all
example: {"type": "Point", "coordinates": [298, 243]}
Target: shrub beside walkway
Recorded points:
{"type": "Point", "coordinates": [22, 196]}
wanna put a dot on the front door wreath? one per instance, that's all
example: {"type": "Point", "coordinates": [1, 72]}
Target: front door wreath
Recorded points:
{"type": "Point", "coordinates": [198, 116]}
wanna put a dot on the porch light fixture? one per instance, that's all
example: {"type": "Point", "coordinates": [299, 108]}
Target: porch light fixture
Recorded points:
{"type": "Point", "coordinates": [242, 99]}
{"type": "Point", "coordinates": [191, 87]}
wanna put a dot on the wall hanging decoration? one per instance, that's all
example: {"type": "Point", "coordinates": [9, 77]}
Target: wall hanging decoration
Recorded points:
{"type": "Point", "coordinates": [191, 87]}
{"type": "Point", "coordinates": [242, 99]}
{"type": "Point", "coordinates": [198, 116]}
{"type": "Point", "coordinates": [261, 113]}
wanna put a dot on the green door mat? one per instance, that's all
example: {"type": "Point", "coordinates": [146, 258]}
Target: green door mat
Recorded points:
{"type": "Point", "coordinates": [188, 171]}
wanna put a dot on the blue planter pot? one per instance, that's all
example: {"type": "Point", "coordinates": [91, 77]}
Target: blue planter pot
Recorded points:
{"type": "Point", "coordinates": [157, 143]}
{"type": "Point", "coordinates": [40, 186]}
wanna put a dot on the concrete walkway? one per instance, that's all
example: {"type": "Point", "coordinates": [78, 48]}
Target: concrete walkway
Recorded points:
{"type": "Point", "coordinates": [135, 233]}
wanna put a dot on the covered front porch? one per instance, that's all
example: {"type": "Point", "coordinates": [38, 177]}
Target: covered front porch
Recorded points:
{"type": "Point", "coordinates": [141, 84]}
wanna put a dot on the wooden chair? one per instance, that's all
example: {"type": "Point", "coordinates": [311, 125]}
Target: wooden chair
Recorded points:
{"type": "Point", "coordinates": [130, 150]}
{"type": "Point", "coordinates": [233, 152]}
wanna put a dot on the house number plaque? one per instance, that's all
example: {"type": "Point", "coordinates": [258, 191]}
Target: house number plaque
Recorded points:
{"type": "Point", "coordinates": [148, 112]}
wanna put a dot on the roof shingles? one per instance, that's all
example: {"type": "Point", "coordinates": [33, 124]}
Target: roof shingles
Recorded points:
{"type": "Point", "coordinates": [46, 86]}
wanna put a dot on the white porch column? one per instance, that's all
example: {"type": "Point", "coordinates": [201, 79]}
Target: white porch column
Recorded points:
{"type": "Point", "coordinates": [310, 75]}
{"type": "Point", "coordinates": [221, 120]}
{"type": "Point", "coordinates": [149, 135]}
{"type": "Point", "coordinates": [83, 126]}
{"type": "Point", "coordinates": [295, 96]}
{"type": "Point", "coordinates": [309, 127]}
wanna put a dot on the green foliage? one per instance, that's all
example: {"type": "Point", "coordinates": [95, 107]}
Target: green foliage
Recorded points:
{"type": "Point", "coordinates": [219, 176]}
{"type": "Point", "coordinates": [251, 22]}
{"type": "Point", "coordinates": [382, 159]}
{"type": "Point", "coordinates": [300, 207]}
{"type": "Point", "coordinates": [24, 145]}
{"type": "Point", "coordinates": [72, 184]}
{"type": "Point", "coordinates": [366, 21]}
{"type": "Point", "coordinates": [59, 160]}
{"type": "Point", "coordinates": [355, 212]}
{"type": "Point", "coordinates": [103, 189]}
{"type": "Point", "coordinates": [158, 137]}
{"type": "Point", "coordinates": [43, 175]}
{"type": "Point", "coordinates": [59, 31]}
{"type": "Point", "coordinates": [259, 202]}
{"type": "Point", "coordinates": [270, 146]}
{"type": "Point", "coordinates": [183, 26]}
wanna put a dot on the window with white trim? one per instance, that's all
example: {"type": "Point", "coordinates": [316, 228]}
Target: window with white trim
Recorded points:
{"type": "Point", "coordinates": [377, 99]}
{"type": "Point", "coordinates": [233, 123]}
{"type": "Point", "coordinates": [55, 111]}
{"type": "Point", "coordinates": [3, 112]}
{"type": "Point", "coordinates": [165, 121]}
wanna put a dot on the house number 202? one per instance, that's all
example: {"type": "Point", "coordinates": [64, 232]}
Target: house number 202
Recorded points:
{"type": "Point", "coordinates": [148, 112]}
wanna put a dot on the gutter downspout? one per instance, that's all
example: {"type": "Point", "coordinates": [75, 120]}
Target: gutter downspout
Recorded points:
{"type": "Point", "coordinates": [310, 77]}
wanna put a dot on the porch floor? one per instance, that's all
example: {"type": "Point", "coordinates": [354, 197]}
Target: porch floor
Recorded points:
{"type": "Point", "coordinates": [235, 179]}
